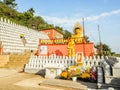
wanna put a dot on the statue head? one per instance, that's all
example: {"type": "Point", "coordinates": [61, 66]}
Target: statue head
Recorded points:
{"type": "Point", "coordinates": [78, 29]}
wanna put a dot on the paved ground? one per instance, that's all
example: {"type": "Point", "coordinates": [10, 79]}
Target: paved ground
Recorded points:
{"type": "Point", "coordinates": [64, 83]}
{"type": "Point", "coordinates": [13, 80]}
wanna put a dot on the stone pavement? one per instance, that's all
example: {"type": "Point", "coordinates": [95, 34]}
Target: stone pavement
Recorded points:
{"type": "Point", "coordinates": [64, 83]}
{"type": "Point", "coordinates": [13, 80]}
{"type": "Point", "coordinates": [6, 72]}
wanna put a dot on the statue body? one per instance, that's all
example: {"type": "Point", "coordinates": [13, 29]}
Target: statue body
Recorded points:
{"type": "Point", "coordinates": [77, 37]}
{"type": "Point", "coordinates": [71, 46]}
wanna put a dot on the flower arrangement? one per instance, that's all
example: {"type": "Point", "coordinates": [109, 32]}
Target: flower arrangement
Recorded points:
{"type": "Point", "coordinates": [89, 75]}
{"type": "Point", "coordinates": [69, 73]}
{"type": "Point", "coordinates": [64, 74]}
{"type": "Point", "coordinates": [85, 74]}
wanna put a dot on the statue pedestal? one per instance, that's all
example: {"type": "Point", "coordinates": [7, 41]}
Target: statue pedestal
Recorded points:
{"type": "Point", "coordinates": [80, 64]}
{"type": "Point", "coordinates": [52, 72]}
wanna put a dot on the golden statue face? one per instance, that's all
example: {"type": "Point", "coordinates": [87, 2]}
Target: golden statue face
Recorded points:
{"type": "Point", "coordinates": [77, 31]}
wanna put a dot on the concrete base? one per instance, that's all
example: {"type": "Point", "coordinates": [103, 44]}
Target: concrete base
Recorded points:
{"type": "Point", "coordinates": [116, 71]}
{"type": "Point", "coordinates": [52, 72]}
{"type": "Point", "coordinates": [112, 80]}
{"type": "Point", "coordinates": [35, 71]}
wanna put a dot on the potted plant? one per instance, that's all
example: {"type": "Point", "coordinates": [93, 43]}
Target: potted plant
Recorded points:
{"type": "Point", "coordinates": [74, 78]}
{"type": "Point", "coordinates": [73, 75]}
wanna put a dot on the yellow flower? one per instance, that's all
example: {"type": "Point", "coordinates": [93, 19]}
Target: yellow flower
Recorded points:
{"type": "Point", "coordinates": [64, 74]}
{"type": "Point", "coordinates": [85, 75]}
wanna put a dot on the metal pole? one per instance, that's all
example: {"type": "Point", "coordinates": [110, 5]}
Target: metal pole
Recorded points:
{"type": "Point", "coordinates": [83, 28]}
{"type": "Point", "coordinates": [101, 52]}
{"type": "Point", "coordinates": [83, 38]}
{"type": "Point", "coordinates": [53, 38]}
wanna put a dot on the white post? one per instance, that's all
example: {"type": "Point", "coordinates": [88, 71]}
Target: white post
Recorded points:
{"type": "Point", "coordinates": [1, 19]}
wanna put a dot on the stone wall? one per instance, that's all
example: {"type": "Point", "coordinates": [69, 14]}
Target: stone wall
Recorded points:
{"type": "Point", "coordinates": [3, 60]}
{"type": "Point", "coordinates": [116, 71]}
{"type": "Point", "coordinates": [114, 77]}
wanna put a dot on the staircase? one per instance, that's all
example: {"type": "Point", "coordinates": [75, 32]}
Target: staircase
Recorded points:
{"type": "Point", "coordinates": [17, 61]}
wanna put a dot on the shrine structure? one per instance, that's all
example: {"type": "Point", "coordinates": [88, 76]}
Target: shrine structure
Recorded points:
{"type": "Point", "coordinates": [73, 46]}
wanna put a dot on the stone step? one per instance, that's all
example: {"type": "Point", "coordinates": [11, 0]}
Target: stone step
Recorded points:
{"type": "Point", "coordinates": [18, 61]}
{"type": "Point", "coordinates": [15, 66]}
{"type": "Point", "coordinates": [19, 58]}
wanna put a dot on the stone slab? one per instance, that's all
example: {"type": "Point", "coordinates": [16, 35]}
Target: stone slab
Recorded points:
{"type": "Point", "coordinates": [64, 83]}
{"type": "Point", "coordinates": [6, 72]}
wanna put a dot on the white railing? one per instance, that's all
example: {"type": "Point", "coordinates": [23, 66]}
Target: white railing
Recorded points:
{"type": "Point", "coordinates": [41, 62]}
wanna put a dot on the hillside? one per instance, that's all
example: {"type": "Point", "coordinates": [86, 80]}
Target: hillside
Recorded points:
{"type": "Point", "coordinates": [27, 18]}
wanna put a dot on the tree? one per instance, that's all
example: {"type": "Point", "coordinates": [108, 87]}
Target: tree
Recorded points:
{"type": "Point", "coordinates": [31, 11]}
{"type": "Point", "coordinates": [27, 15]}
{"type": "Point", "coordinates": [58, 28]}
{"type": "Point", "coordinates": [67, 34]}
{"type": "Point", "coordinates": [37, 21]}
{"type": "Point", "coordinates": [105, 49]}
{"type": "Point", "coordinates": [87, 39]}
{"type": "Point", "coordinates": [10, 3]}
{"type": "Point", "coordinates": [7, 11]}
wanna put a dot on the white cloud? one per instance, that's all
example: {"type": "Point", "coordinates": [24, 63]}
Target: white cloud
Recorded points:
{"type": "Point", "coordinates": [69, 22]}
{"type": "Point", "coordinates": [102, 15]}
{"type": "Point", "coordinates": [58, 20]}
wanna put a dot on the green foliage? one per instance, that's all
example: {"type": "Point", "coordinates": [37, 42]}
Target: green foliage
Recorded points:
{"type": "Point", "coordinates": [87, 38]}
{"type": "Point", "coordinates": [105, 49]}
{"type": "Point", "coordinates": [46, 26]}
{"type": "Point", "coordinates": [6, 11]}
{"type": "Point", "coordinates": [10, 3]}
{"type": "Point", "coordinates": [67, 34]}
{"type": "Point", "coordinates": [117, 55]}
{"type": "Point", "coordinates": [31, 11]}
{"type": "Point", "coordinates": [59, 29]}
{"type": "Point", "coordinates": [27, 18]}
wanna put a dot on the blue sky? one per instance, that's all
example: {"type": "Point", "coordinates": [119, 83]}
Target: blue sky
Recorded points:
{"type": "Point", "coordinates": [66, 13]}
